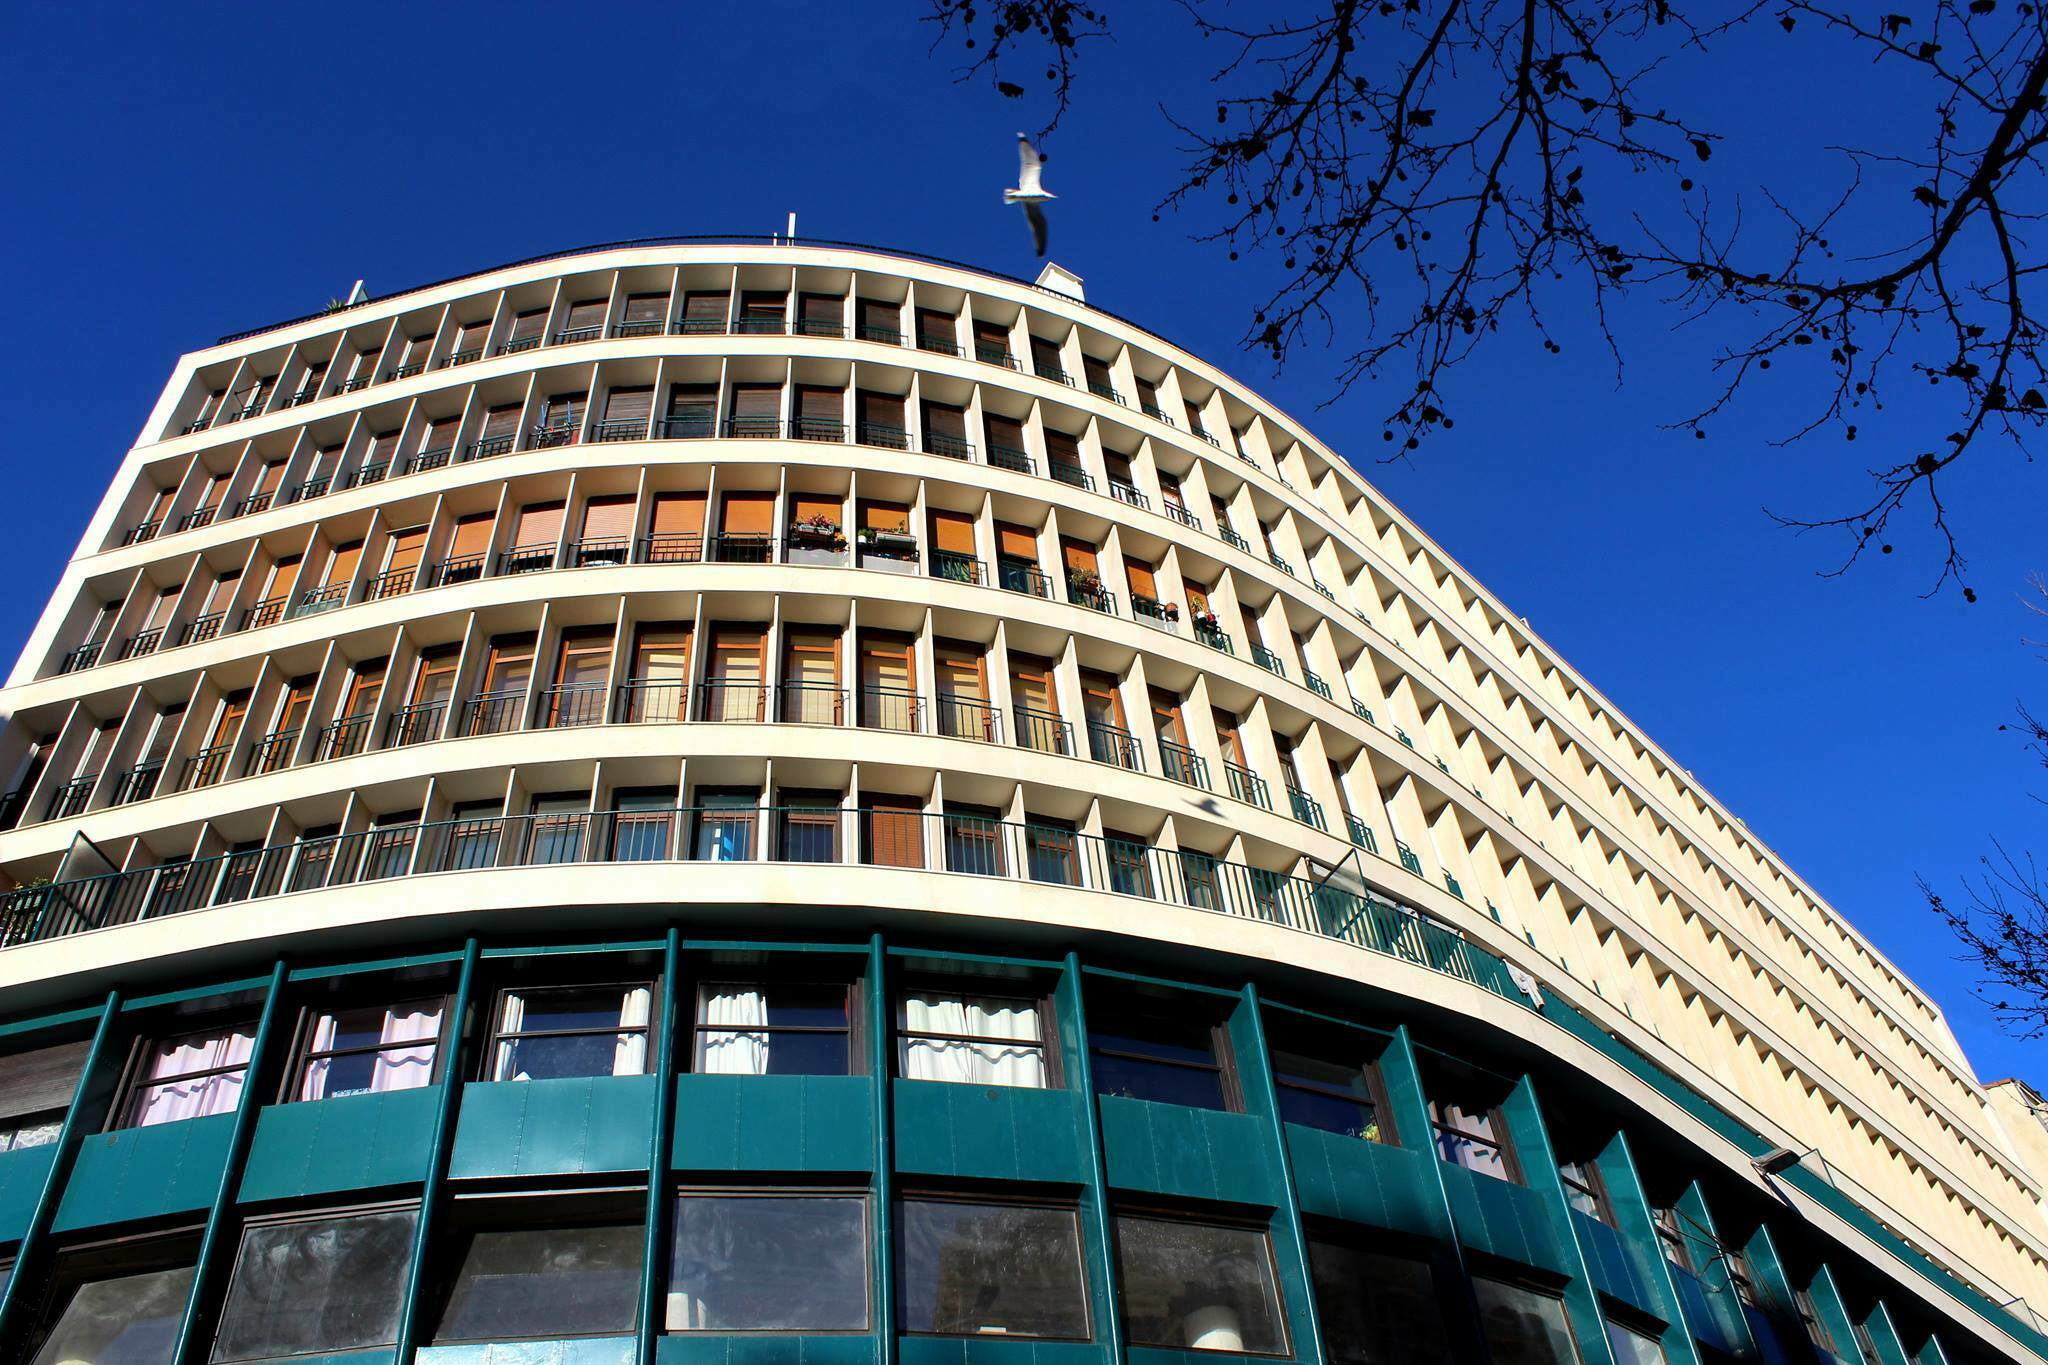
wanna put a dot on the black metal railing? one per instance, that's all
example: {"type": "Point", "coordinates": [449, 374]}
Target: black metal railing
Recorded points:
{"type": "Point", "coordinates": [1214, 638]}
{"type": "Point", "coordinates": [892, 708]}
{"type": "Point", "coordinates": [525, 559]}
{"type": "Point", "coordinates": [760, 326]}
{"type": "Point", "coordinates": [313, 601]}
{"type": "Point", "coordinates": [1157, 612]}
{"type": "Point", "coordinates": [572, 704]}
{"type": "Point", "coordinates": [205, 768]}
{"type": "Point", "coordinates": [142, 531]}
{"type": "Point", "coordinates": [1277, 562]}
{"type": "Point", "coordinates": [570, 336]}
{"type": "Point", "coordinates": [719, 700]}
{"type": "Point", "coordinates": [958, 567]}
{"type": "Point", "coordinates": [1182, 515]}
{"type": "Point", "coordinates": [937, 345]}
{"type": "Point", "coordinates": [1268, 660]}
{"type": "Point", "coordinates": [619, 431]}
{"type": "Point", "coordinates": [455, 358]}
{"type": "Point", "coordinates": [138, 783]}
{"type": "Point", "coordinates": [669, 547]}
{"type": "Point", "coordinates": [1183, 765]}
{"type": "Point", "coordinates": [1115, 745]}
{"type": "Point", "coordinates": [251, 505]}
{"type": "Point", "coordinates": [364, 475]}
{"type": "Point", "coordinates": [1232, 538]}
{"type": "Point", "coordinates": [1361, 834]}
{"type": "Point", "coordinates": [494, 713]}
{"type": "Point", "coordinates": [651, 701]}
{"type": "Point", "coordinates": [142, 642]}
{"type": "Point", "coordinates": [1315, 684]}
{"type": "Point", "coordinates": [202, 628]}
{"type": "Point", "coordinates": [1157, 414]}
{"type": "Point", "coordinates": [1042, 730]}
{"type": "Point", "coordinates": [1014, 575]}
{"type": "Point", "coordinates": [1095, 599]}
{"type": "Point", "coordinates": [405, 371]}
{"type": "Point", "coordinates": [690, 426]}
{"type": "Point", "coordinates": [1129, 495]}
{"type": "Point", "coordinates": [995, 355]}
{"type": "Point", "coordinates": [306, 488]}
{"type": "Point", "coordinates": [268, 612]}
{"type": "Point", "coordinates": [811, 703]}
{"type": "Point", "coordinates": [1069, 473]}
{"type": "Point", "coordinates": [700, 327]}
{"type": "Point", "coordinates": [273, 752]}
{"type": "Point", "coordinates": [818, 429]}
{"type": "Point", "coordinates": [885, 434]}
{"type": "Point", "coordinates": [1248, 786]}
{"type": "Point", "coordinates": [73, 797]}
{"type": "Point", "coordinates": [1306, 808]}
{"type": "Point", "coordinates": [740, 548]}
{"type": "Point", "coordinates": [460, 569]}
{"type": "Point", "coordinates": [1102, 390]}
{"type": "Point", "coordinates": [643, 328]}
{"type": "Point", "coordinates": [819, 327]}
{"type": "Point", "coordinates": [952, 447]}
{"type": "Point", "coordinates": [887, 336]}
{"type": "Point", "coordinates": [193, 520]}
{"type": "Point", "coordinates": [1011, 458]}
{"type": "Point", "coordinates": [548, 437]}
{"type": "Point", "coordinates": [485, 447]}
{"type": "Point", "coordinates": [961, 717]}
{"type": "Point", "coordinates": [597, 551]}
{"type": "Point", "coordinates": [436, 457]}
{"type": "Point", "coordinates": [85, 656]}
{"type": "Point", "coordinates": [415, 724]}
{"type": "Point", "coordinates": [343, 738]}
{"type": "Point", "coordinates": [1052, 372]}
{"type": "Point", "coordinates": [390, 583]}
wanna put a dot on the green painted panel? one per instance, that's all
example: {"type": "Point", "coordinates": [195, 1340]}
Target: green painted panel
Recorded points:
{"type": "Point", "coordinates": [1158, 1355]}
{"type": "Point", "coordinates": [1194, 1153]}
{"type": "Point", "coordinates": [1506, 1220]}
{"type": "Point", "coordinates": [554, 1127]}
{"type": "Point", "coordinates": [1363, 1182]}
{"type": "Point", "coordinates": [703, 1348]}
{"type": "Point", "coordinates": [21, 1183]}
{"type": "Point", "coordinates": [1615, 1272]}
{"type": "Point", "coordinates": [141, 1172]}
{"type": "Point", "coordinates": [585, 1351]}
{"type": "Point", "coordinates": [998, 1132]}
{"type": "Point", "coordinates": [354, 1142]}
{"type": "Point", "coordinates": [1706, 1325]}
{"type": "Point", "coordinates": [774, 1123]}
{"type": "Point", "coordinates": [996, 1351]}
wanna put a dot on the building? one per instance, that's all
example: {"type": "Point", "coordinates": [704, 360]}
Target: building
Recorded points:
{"type": "Point", "coordinates": [1036, 856]}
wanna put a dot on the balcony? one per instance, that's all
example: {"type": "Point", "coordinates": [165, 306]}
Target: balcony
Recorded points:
{"type": "Point", "coordinates": [1232, 538]}
{"type": "Point", "coordinates": [494, 713]}
{"type": "Point", "coordinates": [436, 457]}
{"type": "Point", "coordinates": [1071, 474]}
{"type": "Point", "coordinates": [669, 547]}
{"type": "Point", "coordinates": [597, 551]}
{"type": "Point", "coordinates": [651, 701]}
{"type": "Point", "coordinates": [525, 559]}
{"type": "Point", "coordinates": [205, 768]}
{"type": "Point", "coordinates": [355, 385]}
{"type": "Point", "coordinates": [1268, 660]}
{"type": "Point", "coordinates": [470, 356]}
{"type": "Point", "coordinates": [548, 437]}
{"type": "Point", "coordinates": [1408, 858]}
{"type": "Point", "coordinates": [1011, 458]}
{"type": "Point", "coordinates": [760, 325]}
{"type": "Point", "coordinates": [1181, 764]}
{"type": "Point", "coordinates": [1093, 598]}
{"type": "Point", "coordinates": [1247, 786]}
{"type": "Point", "coordinates": [1282, 565]}
{"type": "Point", "coordinates": [251, 505]}
{"type": "Point", "coordinates": [1317, 686]}
{"type": "Point", "coordinates": [731, 702]}
{"type": "Point", "coordinates": [1451, 885]}
{"type": "Point", "coordinates": [415, 724]}
{"type": "Point", "coordinates": [1157, 414]}
{"type": "Point", "coordinates": [700, 327]}
{"type": "Point", "coordinates": [937, 345]}
{"type": "Point", "coordinates": [1199, 430]}
{"type": "Point", "coordinates": [818, 429]}
{"type": "Point", "coordinates": [201, 628]}
{"type": "Point", "coordinates": [1015, 575]}
{"type": "Point", "coordinates": [570, 336]}
{"type": "Point", "coordinates": [1182, 515]}
{"type": "Point", "coordinates": [810, 703]}
{"type": "Point", "coordinates": [1101, 390]}
{"type": "Point", "coordinates": [1322, 588]}
{"type": "Point", "coordinates": [606, 432]}
{"type": "Point", "coordinates": [886, 336]}
{"type": "Point", "coordinates": [753, 427]}
{"type": "Point", "coordinates": [268, 612]}
{"type": "Point", "coordinates": [1307, 809]}
{"type": "Point", "coordinates": [952, 447]}
{"type": "Point", "coordinates": [740, 548]}
{"type": "Point", "coordinates": [364, 475]}
{"type": "Point", "coordinates": [646, 327]}
{"type": "Point", "coordinates": [391, 583]}
{"type": "Point", "coordinates": [460, 569]}
{"type": "Point", "coordinates": [306, 488]}
{"type": "Point", "coordinates": [888, 551]}
{"type": "Point", "coordinates": [273, 753]}
{"type": "Point", "coordinates": [193, 520]}
{"type": "Point", "coordinates": [488, 446]}
{"type": "Point", "coordinates": [959, 568]}
{"type": "Point", "coordinates": [995, 355]}
{"type": "Point", "coordinates": [1114, 745]}
{"type": "Point", "coordinates": [1129, 495]}
{"type": "Point", "coordinates": [885, 434]}
{"type": "Point", "coordinates": [820, 327]}
{"type": "Point", "coordinates": [142, 532]}
{"type": "Point", "coordinates": [969, 718]}
{"type": "Point", "coordinates": [73, 797]}
{"type": "Point", "coordinates": [138, 783]}
{"type": "Point", "coordinates": [1052, 372]}
{"type": "Point", "coordinates": [1361, 834]}
{"type": "Point", "coordinates": [141, 643]}
{"type": "Point", "coordinates": [343, 738]}
{"type": "Point", "coordinates": [314, 601]}
{"type": "Point", "coordinates": [405, 372]}
{"type": "Point", "coordinates": [570, 705]}
{"type": "Point", "coordinates": [1043, 731]}
{"type": "Point", "coordinates": [892, 708]}
{"type": "Point", "coordinates": [1362, 711]}
{"type": "Point", "coordinates": [1155, 613]}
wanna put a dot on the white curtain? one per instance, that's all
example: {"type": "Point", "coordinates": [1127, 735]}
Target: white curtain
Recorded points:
{"type": "Point", "coordinates": [630, 1057]}
{"type": "Point", "coordinates": [407, 1068]}
{"type": "Point", "coordinates": [729, 1047]}
{"type": "Point", "coordinates": [973, 1063]}
{"type": "Point", "coordinates": [174, 1098]}
{"type": "Point", "coordinates": [509, 1020]}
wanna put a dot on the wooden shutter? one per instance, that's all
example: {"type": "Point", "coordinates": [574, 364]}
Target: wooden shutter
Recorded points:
{"type": "Point", "coordinates": [441, 433]}
{"type": "Point", "coordinates": [895, 830]}
{"type": "Point", "coordinates": [678, 514]}
{"type": "Point", "coordinates": [160, 500]}
{"type": "Point", "coordinates": [1148, 393]}
{"type": "Point", "coordinates": [1079, 558]}
{"type": "Point", "coordinates": [703, 311]}
{"type": "Point", "coordinates": [435, 679]}
{"type": "Point", "coordinates": [528, 325]}
{"type": "Point", "coordinates": [1016, 542]}
{"type": "Point", "coordinates": [816, 404]}
{"type": "Point", "coordinates": [269, 479]}
{"type": "Point", "coordinates": [297, 701]}
{"type": "Point", "coordinates": [693, 400]}
{"type": "Point", "coordinates": [565, 409]}
{"type": "Point", "coordinates": [586, 657]}
{"type": "Point", "coordinates": [366, 364]}
{"type": "Point", "coordinates": [586, 313]}
{"type": "Point", "coordinates": [502, 420]}
{"type": "Point", "coordinates": [993, 335]}
{"type": "Point", "coordinates": [609, 518]}
{"type": "Point", "coordinates": [629, 405]}
{"type": "Point", "coordinates": [943, 420]}
{"type": "Point", "coordinates": [222, 590]}
{"type": "Point", "coordinates": [1031, 684]}
{"type": "Point", "coordinates": [747, 514]}
{"type": "Point", "coordinates": [825, 310]}
{"type": "Point", "coordinates": [885, 661]}
{"type": "Point", "coordinates": [804, 506]}
{"type": "Point", "coordinates": [761, 305]}
{"type": "Point", "coordinates": [1003, 431]}
{"type": "Point", "coordinates": [162, 734]}
{"type": "Point", "coordinates": [1060, 445]}
{"type": "Point", "coordinates": [417, 348]}
{"type": "Point", "coordinates": [382, 447]}
{"type": "Point", "coordinates": [227, 720]}
{"type": "Point", "coordinates": [953, 532]}
{"type": "Point", "coordinates": [216, 485]}
{"type": "Point", "coordinates": [813, 656]}
{"type": "Point", "coordinates": [403, 554]}
{"type": "Point", "coordinates": [539, 524]}
{"type": "Point", "coordinates": [1095, 371]}
{"type": "Point", "coordinates": [962, 670]}
{"type": "Point", "coordinates": [1044, 354]}
{"type": "Point", "coordinates": [472, 334]}
{"type": "Point", "coordinates": [757, 400]}
{"type": "Point", "coordinates": [661, 653]}
{"type": "Point", "coordinates": [41, 1080]}
{"type": "Point", "coordinates": [737, 653]}
{"type": "Point", "coordinates": [1194, 416]}
{"type": "Point", "coordinates": [284, 576]}
{"type": "Point", "coordinates": [1143, 584]}
{"type": "Point", "coordinates": [342, 567]}
{"type": "Point", "coordinates": [160, 610]}
{"type": "Point", "coordinates": [885, 516]}
{"type": "Point", "coordinates": [646, 308]}
{"type": "Point", "coordinates": [1119, 467]}
{"type": "Point", "coordinates": [1101, 699]}
{"type": "Point", "coordinates": [880, 315]}
{"type": "Point", "coordinates": [885, 408]}
{"type": "Point", "coordinates": [933, 324]}
{"type": "Point", "coordinates": [472, 535]}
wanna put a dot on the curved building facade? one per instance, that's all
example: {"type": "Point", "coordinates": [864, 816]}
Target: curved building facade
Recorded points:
{"type": "Point", "coordinates": [778, 802]}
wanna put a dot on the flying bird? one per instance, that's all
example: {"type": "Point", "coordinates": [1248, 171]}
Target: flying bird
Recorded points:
{"type": "Point", "coordinates": [1029, 193]}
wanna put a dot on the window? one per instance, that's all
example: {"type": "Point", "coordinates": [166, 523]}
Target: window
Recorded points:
{"type": "Point", "coordinates": [35, 1090]}
{"type": "Point", "coordinates": [189, 1076]}
{"type": "Point", "coordinates": [1523, 1326]}
{"type": "Point", "coordinates": [974, 1269]}
{"type": "Point", "coordinates": [1671, 1236]}
{"type": "Point", "coordinates": [1337, 1095]}
{"type": "Point", "coordinates": [1470, 1130]}
{"type": "Point", "coordinates": [1816, 1326]}
{"type": "Point", "coordinates": [312, 1285]}
{"type": "Point", "coordinates": [1172, 1058]}
{"type": "Point", "coordinates": [558, 1031]}
{"type": "Point", "coordinates": [561, 1268]}
{"type": "Point", "coordinates": [1584, 1190]}
{"type": "Point", "coordinates": [780, 1028]}
{"type": "Point", "coordinates": [725, 825]}
{"type": "Point", "coordinates": [117, 1305]}
{"type": "Point", "coordinates": [973, 1039]}
{"type": "Point", "coordinates": [891, 830]}
{"type": "Point", "coordinates": [1631, 1347]}
{"type": "Point", "coordinates": [1376, 1309]}
{"type": "Point", "coordinates": [370, 1050]}
{"type": "Point", "coordinates": [769, 1262]}
{"type": "Point", "coordinates": [1198, 1286]}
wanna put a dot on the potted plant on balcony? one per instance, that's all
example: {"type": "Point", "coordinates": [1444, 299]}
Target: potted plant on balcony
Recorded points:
{"type": "Point", "coordinates": [1084, 582]}
{"type": "Point", "coordinates": [819, 531]}
{"type": "Point", "coordinates": [1204, 618]}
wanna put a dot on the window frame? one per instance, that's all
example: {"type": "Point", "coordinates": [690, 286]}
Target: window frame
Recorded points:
{"type": "Point", "coordinates": [500, 1211]}
{"type": "Point", "coordinates": [1048, 1044]}
{"type": "Point", "coordinates": [108, 1258]}
{"type": "Point", "coordinates": [855, 1030]}
{"type": "Point", "coordinates": [1369, 1069]}
{"type": "Point", "coordinates": [303, 1054]}
{"type": "Point", "coordinates": [1594, 1189]}
{"type": "Point", "coordinates": [1506, 1278]}
{"type": "Point", "coordinates": [1207, 1217]}
{"type": "Point", "coordinates": [487, 1061]}
{"type": "Point", "coordinates": [1003, 1198]}
{"type": "Point", "coordinates": [134, 1072]}
{"type": "Point", "coordinates": [322, 1214]}
{"type": "Point", "coordinates": [858, 1193]}
{"type": "Point", "coordinates": [1220, 1050]}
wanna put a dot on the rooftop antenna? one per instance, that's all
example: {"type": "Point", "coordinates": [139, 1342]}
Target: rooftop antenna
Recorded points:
{"type": "Point", "coordinates": [358, 295]}
{"type": "Point", "coordinates": [790, 235]}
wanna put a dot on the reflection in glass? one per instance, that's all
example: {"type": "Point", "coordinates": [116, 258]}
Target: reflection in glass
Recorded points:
{"type": "Point", "coordinates": [573, 1031]}
{"type": "Point", "coordinates": [1523, 1327]}
{"type": "Point", "coordinates": [990, 1270]}
{"type": "Point", "coordinates": [516, 1283]}
{"type": "Point", "coordinates": [127, 1320]}
{"type": "Point", "coordinates": [1376, 1309]}
{"type": "Point", "coordinates": [333, 1284]}
{"type": "Point", "coordinates": [769, 1264]}
{"type": "Point", "coordinates": [1193, 1286]}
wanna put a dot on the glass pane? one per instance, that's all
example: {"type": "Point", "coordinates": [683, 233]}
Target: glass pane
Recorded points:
{"type": "Point", "coordinates": [364, 1073]}
{"type": "Point", "coordinates": [1376, 1310]}
{"type": "Point", "coordinates": [806, 1005]}
{"type": "Point", "coordinates": [991, 1270]}
{"type": "Point", "coordinates": [1523, 1327]}
{"type": "Point", "coordinates": [575, 1054]}
{"type": "Point", "coordinates": [1196, 1287]}
{"type": "Point", "coordinates": [1185, 1040]}
{"type": "Point", "coordinates": [722, 1052]}
{"type": "Point", "coordinates": [1138, 1079]}
{"type": "Point", "coordinates": [333, 1285]}
{"type": "Point", "coordinates": [950, 1059]}
{"type": "Point", "coordinates": [545, 1282]}
{"type": "Point", "coordinates": [1633, 1348]}
{"type": "Point", "coordinates": [29, 1135]}
{"type": "Point", "coordinates": [132, 1320]}
{"type": "Point", "coordinates": [1331, 1113]}
{"type": "Point", "coordinates": [769, 1265]}
{"type": "Point", "coordinates": [601, 1007]}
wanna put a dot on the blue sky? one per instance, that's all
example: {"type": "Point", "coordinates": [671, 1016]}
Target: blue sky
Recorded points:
{"type": "Point", "coordinates": [175, 173]}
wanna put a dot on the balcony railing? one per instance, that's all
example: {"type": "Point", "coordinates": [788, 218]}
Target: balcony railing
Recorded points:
{"type": "Point", "coordinates": [969, 718]}
{"type": "Point", "coordinates": [435, 457]}
{"type": "Point", "coordinates": [597, 551]}
{"type": "Point", "coordinates": [952, 447]}
{"type": "Point", "coordinates": [690, 426]}
{"type": "Point", "coordinates": [343, 738]}
{"type": "Point", "coordinates": [1323, 589]}
{"type": "Point", "coordinates": [887, 336]}
{"type": "Point", "coordinates": [390, 583]}
{"type": "Point", "coordinates": [937, 345]}
{"type": "Point", "coordinates": [1043, 731]}
{"type": "Point", "coordinates": [751, 428]}
{"type": "Point", "coordinates": [1095, 599]}
{"type": "Point", "coordinates": [760, 326]}
{"type": "Point", "coordinates": [810, 703]}
{"type": "Point", "coordinates": [268, 612]}
{"type": "Point", "coordinates": [820, 327]}
{"type": "Point", "coordinates": [719, 700]}
{"type": "Point", "coordinates": [525, 559]}
{"type": "Point", "coordinates": [1101, 390]}
{"type": "Point", "coordinates": [313, 601]}
{"type": "Point", "coordinates": [1014, 575]}
{"type": "Point", "coordinates": [1306, 809]}
{"type": "Point", "coordinates": [73, 797]}
{"type": "Point", "coordinates": [1157, 414]}
{"type": "Point", "coordinates": [1011, 458]}
{"type": "Point", "coordinates": [547, 437]}
{"type": "Point", "coordinates": [1182, 515]}
{"type": "Point", "coordinates": [142, 532]}
{"type": "Point", "coordinates": [570, 336]}
{"type": "Point", "coordinates": [1232, 538]}
{"type": "Point", "coordinates": [1316, 685]}
{"type": "Point", "coordinates": [85, 656]}
{"type": "Point", "coordinates": [485, 447]}
{"type": "Point", "coordinates": [669, 547]}
{"type": "Point", "coordinates": [949, 844]}
{"type": "Point", "coordinates": [958, 567]}
{"type": "Point", "coordinates": [1128, 494]}
{"type": "Point", "coordinates": [460, 569]}
{"type": "Point", "coordinates": [738, 548]}
{"type": "Point", "coordinates": [307, 488]}
{"type": "Point", "coordinates": [887, 435]}
{"type": "Point", "coordinates": [1361, 834]}
{"type": "Point", "coordinates": [197, 518]}
{"type": "Point", "coordinates": [1151, 610]}
{"type": "Point", "coordinates": [205, 768]}
{"type": "Point", "coordinates": [818, 429]}
{"type": "Point", "coordinates": [1362, 711]}
{"type": "Point", "coordinates": [202, 628]}
{"type": "Point", "coordinates": [892, 708]}
{"type": "Point", "coordinates": [572, 704]}
{"type": "Point", "coordinates": [995, 355]}
{"type": "Point", "coordinates": [651, 701]}
{"type": "Point", "coordinates": [1268, 660]}
{"type": "Point", "coordinates": [1247, 786]}
{"type": "Point", "coordinates": [1282, 565]}
{"type": "Point", "coordinates": [1071, 474]}
{"type": "Point", "coordinates": [700, 327]}
{"type": "Point", "coordinates": [1114, 745]}
{"type": "Point", "coordinates": [273, 752]}
{"type": "Point", "coordinates": [455, 358]}
{"type": "Point", "coordinates": [619, 431]}
{"type": "Point", "coordinates": [1052, 372]}
{"type": "Point", "coordinates": [643, 328]}
{"type": "Point", "coordinates": [405, 371]}
{"type": "Point", "coordinates": [1183, 765]}
{"type": "Point", "coordinates": [494, 713]}
{"type": "Point", "coordinates": [139, 783]}
{"type": "Point", "coordinates": [1408, 858]}
{"type": "Point", "coordinates": [415, 724]}
{"type": "Point", "coordinates": [141, 643]}
{"type": "Point", "coordinates": [364, 475]}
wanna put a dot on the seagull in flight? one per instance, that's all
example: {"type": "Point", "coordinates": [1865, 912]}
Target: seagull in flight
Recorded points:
{"type": "Point", "coordinates": [1029, 193]}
